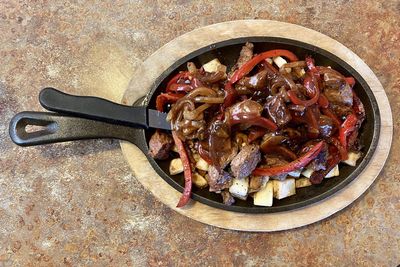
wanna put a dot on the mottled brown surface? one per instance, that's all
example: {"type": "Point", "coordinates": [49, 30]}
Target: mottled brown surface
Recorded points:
{"type": "Point", "coordinates": [77, 203]}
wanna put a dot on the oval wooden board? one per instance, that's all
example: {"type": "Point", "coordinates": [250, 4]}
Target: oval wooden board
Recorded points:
{"type": "Point", "coordinates": [156, 64]}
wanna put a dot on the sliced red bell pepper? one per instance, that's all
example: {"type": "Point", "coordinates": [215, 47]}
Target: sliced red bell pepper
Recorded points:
{"type": "Point", "coordinates": [178, 87]}
{"type": "Point", "coordinates": [176, 78]}
{"type": "Point", "coordinates": [183, 82]}
{"type": "Point", "coordinates": [310, 64]}
{"type": "Point", "coordinates": [230, 95]}
{"type": "Point", "coordinates": [187, 170]}
{"type": "Point", "coordinates": [333, 159]}
{"type": "Point", "coordinates": [249, 65]}
{"type": "Point", "coordinates": [294, 165]}
{"type": "Point", "coordinates": [346, 128]}
{"type": "Point", "coordinates": [254, 134]}
{"type": "Point", "coordinates": [253, 120]}
{"type": "Point", "coordinates": [165, 98]}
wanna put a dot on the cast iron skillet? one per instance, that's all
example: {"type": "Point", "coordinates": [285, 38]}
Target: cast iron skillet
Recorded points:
{"type": "Point", "coordinates": [62, 127]}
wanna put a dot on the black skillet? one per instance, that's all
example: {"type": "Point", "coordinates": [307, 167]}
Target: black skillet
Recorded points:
{"type": "Point", "coordinates": [61, 127]}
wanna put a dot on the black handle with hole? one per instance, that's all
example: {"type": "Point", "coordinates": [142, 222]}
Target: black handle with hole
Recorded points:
{"type": "Point", "coordinates": [94, 108]}
{"type": "Point", "coordinates": [54, 128]}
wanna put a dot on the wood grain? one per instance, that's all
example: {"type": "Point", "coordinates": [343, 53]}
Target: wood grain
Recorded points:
{"type": "Point", "coordinates": [163, 58]}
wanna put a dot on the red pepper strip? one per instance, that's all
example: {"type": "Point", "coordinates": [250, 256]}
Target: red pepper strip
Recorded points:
{"type": "Point", "coordinates": [350, 80]}
{"type": "Point", "coordinates": [249, 65]}
{"type": "Point", "coordinates": [230, 95]}
{"type": "Point", "coordinates": [165, 98]}
{"type": "Point", "coordinates": [177, 87]}
{"type": "Point", "coordinates": [253, 120]}
{"type": "Point", "coordinates": [342, 150]}
{"type": "Point", "coordinates": [255, 134]}
{"type": "Point", "coordinates": [176, 78]}
{"type": "Point", "coordinates": [310, 64]}
{"type": "Point", "coordinates": [294, 165]}
{"type": "Point", "coordinates": [297, 101]}
{"type": "Point", "coordinates": [346, 128]}
{"type": "Point", "coordinates": [328, 112]}
{"type": "Point", "coordinates": [186, 169]}
{"type": "Point", "coordinates": [280, 150]}
{"type": "Point", "coordinates": [333, 160]}
{"type": "Point", "coordinates": [323, 101]}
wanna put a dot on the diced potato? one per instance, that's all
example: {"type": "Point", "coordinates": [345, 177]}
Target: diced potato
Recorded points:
{"type": "Point", "coordinates": [199, 180]}
{"type": "Point", "coordinates": [239, 188]}
{"type": "Point", "coordinates": [303, 182]}
{"type": "Point", "coordinates": [176, 166]}
{"type": "Point", "coordinates": [264, 197]}
{"type": "Point", "coordinates": [307, 172]}
{"type": "Point", "coordinates": [214, 66]}
{"type": "Point", "coordinates": [269, 60]}
{"type": "Point", "coordinates": [196, 157]}
{"type": "Point", "coordinates": [295, 173]}
{"type": "Point", "coordinates": [334, 172]}
{"type": "Point", "coordinates": [284, 188]}
{"type": "Point", "coordinates": [352, 158]}
{"type": "Point", "coordinates": [201, 164]}
{"type": "Point", "coordinates": [279, 61]}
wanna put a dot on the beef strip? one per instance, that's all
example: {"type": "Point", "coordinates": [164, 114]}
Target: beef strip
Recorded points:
{"type": "Point", "coordinates": [218, 180]}
{"type": "Point", "coordinates": [227, 198]}
{"type": "Point", "coordinates": [221, 149]}
{"type": "Point", "coordinates": [277, 110]}
{"type": "Point", "coordinates": [245, 161]}
{"type": "Point", "coordinates": [160, 145]}
{"type": "Point", "coordinates": [245, 55]}
{"type": "Point", "coordinates": [256, 82]}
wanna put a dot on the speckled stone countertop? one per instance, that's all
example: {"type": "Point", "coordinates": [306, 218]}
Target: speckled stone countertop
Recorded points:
{"type": "Point", "coordinates": [77, 203]}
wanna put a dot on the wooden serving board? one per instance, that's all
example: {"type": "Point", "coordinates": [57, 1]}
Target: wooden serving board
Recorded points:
{"type": "Point", "coordinates": [162, 59]}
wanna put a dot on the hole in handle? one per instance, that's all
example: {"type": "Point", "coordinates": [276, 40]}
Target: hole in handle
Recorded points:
{"type": "Point", "coordinates": [34, 128]}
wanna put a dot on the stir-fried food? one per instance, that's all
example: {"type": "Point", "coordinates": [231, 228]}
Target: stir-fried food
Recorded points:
{"type": "Point", "coordinates": [272, 124]}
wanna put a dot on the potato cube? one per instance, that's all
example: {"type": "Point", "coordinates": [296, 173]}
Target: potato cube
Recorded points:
{"type": "Point", "coordinates": [199, 180]}
{"type": "Point", "coordinates": [295, 173]}
{"type": "Point", "coordinates": [264, 197]}
{"type": "Point", "coordinates": [239, 188]}
{"type": "Point", "coordinates": [201, 164]}
{"type": "Point", "coordinates": [279, 61]}
{"type": "Point", "coordinates": [284, 188]}
{"type": "Point", "coordinates": [303, 182]}
{"type": "Point", "coordinates": [334, 172]}
{"type": "Point", "coordinates": [352, 158]}
{"type": "Point", "coordinates": [176, 166]}
{"type": "Point", "coordinates": [307, 172]}
{"type": "Point", "coordinates": [214, 66]}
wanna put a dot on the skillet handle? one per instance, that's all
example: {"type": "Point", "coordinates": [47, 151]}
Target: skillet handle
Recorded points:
{"type": "Point", "coordinates": [55, 128]}
{"type": "Point", "coordinates": [94, 108]}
